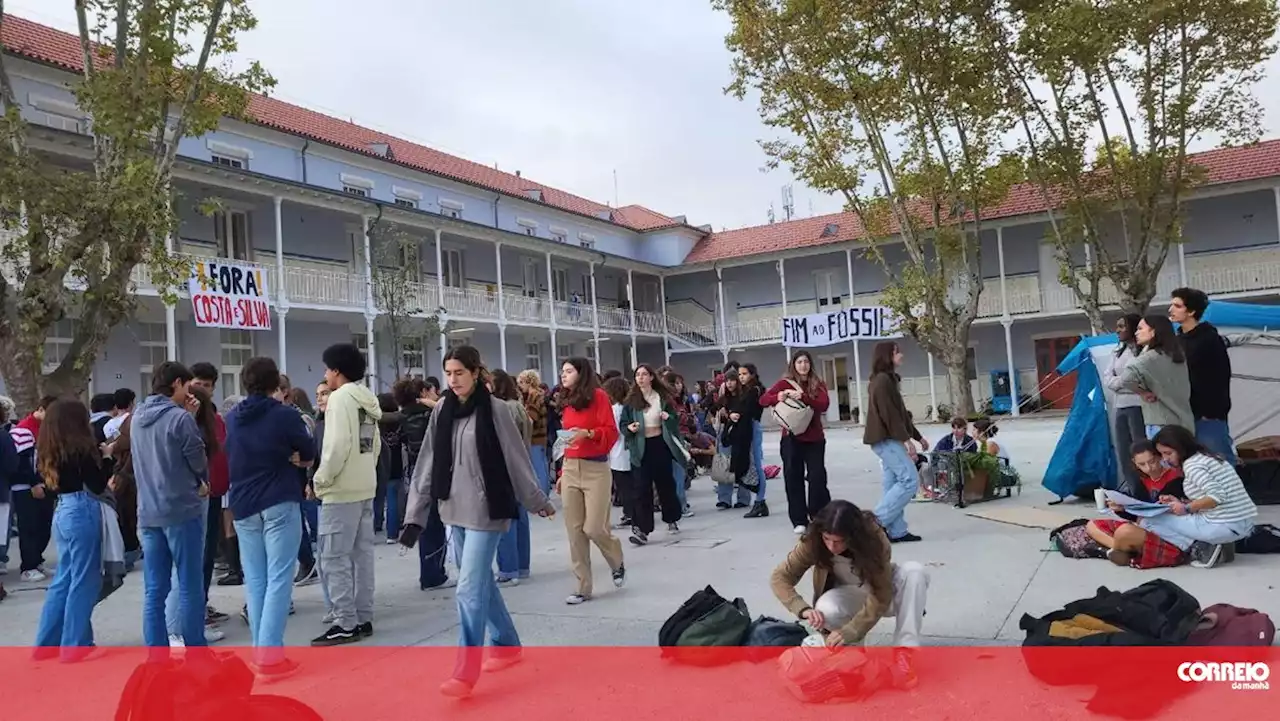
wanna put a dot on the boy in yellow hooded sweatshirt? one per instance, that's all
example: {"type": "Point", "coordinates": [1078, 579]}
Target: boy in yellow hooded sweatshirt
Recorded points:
{"type": "Point", "coordinates": [346, 482]}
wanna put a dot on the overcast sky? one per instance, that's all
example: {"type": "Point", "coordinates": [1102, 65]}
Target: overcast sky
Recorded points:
{"type": "Point", "coordinates": [566, 91]}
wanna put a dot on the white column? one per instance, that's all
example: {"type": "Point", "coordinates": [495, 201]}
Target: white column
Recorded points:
{"type": "Point", "coordinates": [933, 393]}
{"type": "Point", "coordinates": [370, 310]}
{"type": "Point", "coordinates": [857, 355]}
{"type": "Point", "coordinates": [666, 336]}
{"type": "Point", "coordinates": [782, 281]}
{"type": "Point", "coordinates": [502, 310]}
{"type": "Point", "coordinates": [1182, 264]}
{"type": "Point", "coordinates": [551, 306]}
{"type": "Point", "coordinates": [444, 338]}
{"type": "Point", "coordinates": [631, 304]}
{"type": "Point", "coordinates": [282, 297]}
{"type": "Point", "coordinates": [724, 331]}
{"type": "Point", "coordinates": [1007, 321]}
{"type": "Point", "coordinates": [595, 317]}
{"type": "Point", "coordinates": [170, 311]}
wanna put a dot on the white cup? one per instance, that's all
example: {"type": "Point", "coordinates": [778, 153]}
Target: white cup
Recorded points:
{"type": "Point", "coordinates": [1100, 500]}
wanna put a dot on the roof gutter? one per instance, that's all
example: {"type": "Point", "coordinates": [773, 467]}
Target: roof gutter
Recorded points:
{"type": "Point", "coordinates": [306, 144]}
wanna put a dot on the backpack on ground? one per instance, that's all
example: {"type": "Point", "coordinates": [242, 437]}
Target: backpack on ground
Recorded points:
{"type": "Point", "coordinates": [818, 674]}
{"type": "Point", "coordinates": [1225, 625]}
{"type": "Point", "coordinates": [707, 619]}
{"type": "Point", "coordinates": [1265, 538]}
{"type": "Point", "coordinates": [1073, 541]}
{"type": "Point", "coordinates": [768, 637]}
{"type": "Point", "coordinates": [1157, 613]}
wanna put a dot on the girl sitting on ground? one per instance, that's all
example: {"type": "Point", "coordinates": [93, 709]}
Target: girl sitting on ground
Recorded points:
{"type": "Point", "coordinates": [855, 583]}
{"type": "Point", "coordinates": [1126, 543]}
{"type": "Point", "coordinates": [1217, 513]}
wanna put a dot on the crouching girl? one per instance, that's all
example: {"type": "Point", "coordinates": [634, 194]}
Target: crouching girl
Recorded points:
{"type": "Point", "coordinates": [855, 584]}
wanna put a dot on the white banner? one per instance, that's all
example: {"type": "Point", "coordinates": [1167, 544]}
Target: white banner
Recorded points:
{"type": "Point", "coordinates": [227, 294]}
{"type": "Point", "coordinates": [839, 326]}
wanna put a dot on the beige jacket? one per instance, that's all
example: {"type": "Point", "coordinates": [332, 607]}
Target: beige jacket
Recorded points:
{"type": "Point", "coordinates": [787, 576]}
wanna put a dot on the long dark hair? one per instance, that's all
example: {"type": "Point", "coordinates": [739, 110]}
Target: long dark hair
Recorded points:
{"type": "Point", "coordinates": [469, 357]}
{"type": "Point", "coordinates": [65, 436]}
{"type": "Point", "coordinates": [882, 358]}
{"type": "Point", "coordinates": [206, 420]}
{"type": "Point", "coordinates": [1182, 441]}
{"type": "Point", "coordinates": [617, 388]}
{"type": "Point", "coordinates": [864, 538]}
{"type": "Point", "coordinates": [810, 384]}
{"type": "Point", "coordinates": [1131, 321]}
{"type": "Point", "coordinates": [1165, 338]}
{"type": "Point", "coordinates": [579, 397]}
{"type": "Point", "coordinates": [504, 386]}
{"type": "Point", "coordinates": [635, 396]}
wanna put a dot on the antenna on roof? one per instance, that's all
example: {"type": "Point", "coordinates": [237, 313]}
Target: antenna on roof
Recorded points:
{"type": "Point", "coordinates": [770, 213]}
{"type": "Point", "coordinates": [788, 202]}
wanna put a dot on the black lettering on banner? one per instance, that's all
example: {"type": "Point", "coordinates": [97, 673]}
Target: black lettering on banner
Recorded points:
{"type": "Point", "coordinates": [832, 326]}
{"type": "Point", "coordinates": [237, 275]}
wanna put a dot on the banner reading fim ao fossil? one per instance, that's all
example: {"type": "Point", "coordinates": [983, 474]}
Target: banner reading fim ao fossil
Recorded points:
{"type": "Point", "coordinates": [229, 295]}
{"type": "Point", "coordinates": [839, 326]}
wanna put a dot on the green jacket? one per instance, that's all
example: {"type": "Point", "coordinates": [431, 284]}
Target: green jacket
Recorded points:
{"type": "Point", "coordinates": [634, 442]}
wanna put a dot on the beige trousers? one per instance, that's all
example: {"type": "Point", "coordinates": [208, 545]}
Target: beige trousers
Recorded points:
{"type": "Point", "coordinates": [585, 487]}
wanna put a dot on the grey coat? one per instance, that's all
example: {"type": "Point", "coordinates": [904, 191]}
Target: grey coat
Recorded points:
{"type": "Point", "coordinates": [466, 505]}
{"type": "Point", "coordinates": [1168, 381]}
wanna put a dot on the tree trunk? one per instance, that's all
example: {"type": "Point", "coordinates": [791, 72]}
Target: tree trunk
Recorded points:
{"type": "Point", "coordinates": [20, 363]}
{"type": "Point", "coordinates": [958, 386]}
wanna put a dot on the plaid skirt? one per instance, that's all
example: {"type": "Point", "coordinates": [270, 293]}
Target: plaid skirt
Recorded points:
{"type": "Point", "coordinates": [1156, 552]}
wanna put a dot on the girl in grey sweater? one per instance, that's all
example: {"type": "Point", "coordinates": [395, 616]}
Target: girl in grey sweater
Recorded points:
{"type": "Point", "coordinates": [1159, 375]}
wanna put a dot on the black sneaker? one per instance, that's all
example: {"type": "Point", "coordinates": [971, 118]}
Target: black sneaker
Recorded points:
{"type": "Point", "coordinates": [244, 613]}
{"type": "Point", "coordinates": [906, 538]}
{"type": "Point", "coordinates": [673, 528]}
{"type": "Point", "coordinates": [638, 537]}
{"type": "Point", "coordinates": [759, 510]}
{"type": "Point", "coordinates": [336, 636]}
{"type": "Point", "coordinates": [365, 629]}
{"type": "Point", "coordinates": [306, 575]}
{"type": "Point", "coordinates": [620, 577]}
{"type": "Point", "coordinates": [231, 579]}
{"type": "Point", "coordinates": [741, 504]}
{"type": "Point", "coordinates": [213, 616]}
{"type": "Point", "coordinates": [722, 505]}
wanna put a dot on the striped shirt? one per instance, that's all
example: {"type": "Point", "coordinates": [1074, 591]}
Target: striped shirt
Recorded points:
{"type": "Point", "coordinates": [23, 440]}
{"type": "Point", "coordinates": [1208, 477]}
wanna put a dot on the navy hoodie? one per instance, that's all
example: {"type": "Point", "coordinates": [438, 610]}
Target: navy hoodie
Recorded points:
{"type": "Point", "coordinates": [262, 434]}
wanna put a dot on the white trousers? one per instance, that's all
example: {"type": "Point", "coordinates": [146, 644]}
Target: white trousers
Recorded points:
{"type": "Point", "coordinates": [839, 605]}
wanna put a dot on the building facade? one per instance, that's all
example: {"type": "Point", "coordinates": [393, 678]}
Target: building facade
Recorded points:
{"type": "Point", "coordinates": [530, 274]}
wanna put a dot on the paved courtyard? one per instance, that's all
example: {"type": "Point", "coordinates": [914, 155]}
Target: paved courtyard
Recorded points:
{"type": "Point", "coordinates": [985, 574]}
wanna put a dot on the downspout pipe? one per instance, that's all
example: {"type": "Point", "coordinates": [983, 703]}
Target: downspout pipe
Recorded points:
{"type": "Point", "coordinates": [306, 144]}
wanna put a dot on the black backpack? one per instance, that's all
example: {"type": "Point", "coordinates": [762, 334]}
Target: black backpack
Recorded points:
{"type": "Point", "coordinates": [1265, 538]}
{"type": "Point", "coordinates": [1157, 613]}
{"type": "Point", "coordinates": [707, 619]}
{"type": "Point", "coordinates": [1073, 541]}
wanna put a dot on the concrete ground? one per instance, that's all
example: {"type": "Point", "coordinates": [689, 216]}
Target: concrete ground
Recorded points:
{"type": "Point", "coordinates": [985, 574]}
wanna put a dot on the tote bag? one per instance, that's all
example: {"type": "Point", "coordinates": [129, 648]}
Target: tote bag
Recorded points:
{"type": "Point", "coordinates": [792, 414]}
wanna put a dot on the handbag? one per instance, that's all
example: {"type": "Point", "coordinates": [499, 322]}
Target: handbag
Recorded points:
{"type": "Point", "coordinates": [720, 472]}
{"type": "Point", "coordinates": [792, 414]}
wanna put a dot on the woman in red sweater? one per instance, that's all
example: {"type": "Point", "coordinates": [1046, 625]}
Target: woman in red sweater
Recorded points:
{"type": "Point", "coordinates": [804, 451]}
{"type": "Point", "coordinates": [585, 480]}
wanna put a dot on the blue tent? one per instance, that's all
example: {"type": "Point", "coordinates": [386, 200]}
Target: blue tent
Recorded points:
{"type": "Point", "coordinates": [1085, 456]}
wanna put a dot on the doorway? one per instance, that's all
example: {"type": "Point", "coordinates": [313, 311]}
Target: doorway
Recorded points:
{"type": "Point", "coordinates": [834, 371]}
{"type": "Point", "coordinates": [1057, 390]}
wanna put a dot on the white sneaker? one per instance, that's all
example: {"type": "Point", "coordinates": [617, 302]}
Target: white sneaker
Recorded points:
{"type": "Point", "coordinates": [175, 641]}
{"type": "Point", "coordinates": [211, 635]}
{"type": "Point", "coordinates": [34, 576]}
{"type": "Point", "coordinates": [508, 582]}
{"type": "Point", "coordinates": [798, 530]}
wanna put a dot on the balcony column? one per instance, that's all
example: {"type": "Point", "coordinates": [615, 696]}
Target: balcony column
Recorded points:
{"type": "Point", "coordinates": [1182, 264]}
{"type": "Point", "coordinates": [370, 310]}
{"type": "Point", "coordinates": [170, 310]}
{"type": "Point", "coordinates": [595, 317]}
{"type": "Point", "coordinates": [282, 297]}
{"type": "Point", "coordinates": [551, 305]}
{"type": "Point", "coordinates": [857, 355]}
{"type": "Point", "coordinates": [724, 331]}
{"type": "Point", "coordinates": [933, 393]}
{"type": "Point", "coordinates": [502, 310]}
{"type": "Point", "coordinates": [782, 281]}
{"type": "Point", "coordinates": [631, 306]}
{"type": "Point", "coordinates": [444, 338]}
{"type": "Point", "coordinates": [666, 336]}
{"type": "Point", "coordinates": [1007, 321]}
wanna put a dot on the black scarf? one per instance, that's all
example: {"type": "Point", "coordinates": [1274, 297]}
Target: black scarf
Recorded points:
{"type": "Point", "coordinates": [741, 434]}
{"type": "Point", "coordinates": [493, 467]}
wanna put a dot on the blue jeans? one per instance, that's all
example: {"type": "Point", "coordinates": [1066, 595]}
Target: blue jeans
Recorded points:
{"type": "Point", "coordinates": [172, 602]}
{"type": "Point", "coordinates": [66, 619]}
{"type": "Point", "coordinates": [757, 456]}
{"type": "Point", "coordinates": [538, 455]}
{"type": "Point", "coordinates": [393, 507]}
{"type": "Point", "coordinates": [900, 483]}
{"type": "Point", "coordinates": [178, 546]}
{"type": "Point", "coordinates": [677, 471]}
{"type": "Point", "coordinates": [513, 549]}
{"type": "Point", "coordinates": [1152, 431]}
{"type": "Point", "coordinates": [1216, 436]}
{"type": "Point", "coordinates": [480, 604]}
{"type": "Point", "coordinates": [311, 513]}
{"type": "Point", "coordinates": [268, 548]}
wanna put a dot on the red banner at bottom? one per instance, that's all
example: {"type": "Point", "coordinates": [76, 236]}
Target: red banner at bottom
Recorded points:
{"type": "Point", "coordinates": [583, 684]}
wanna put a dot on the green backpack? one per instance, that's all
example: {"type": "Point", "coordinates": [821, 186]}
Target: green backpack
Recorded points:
{"type": "Point", "coordinates": [706, 619]}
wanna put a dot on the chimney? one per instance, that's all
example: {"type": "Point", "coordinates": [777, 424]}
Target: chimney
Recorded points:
{"type": "Point", "coordinates": [682, 220]}
{"type": "Point", "coordinates": [517, 173]}
{"type": "Point", "coordinates": [382, 149]}
{"type": "Point", "coordinates": [534, 194]}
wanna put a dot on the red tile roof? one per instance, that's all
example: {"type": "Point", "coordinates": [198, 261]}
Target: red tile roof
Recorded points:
{"type": "Point", "coordinates": [48, 45]}
{"type": "Point", "coordinates": [1222, 165]}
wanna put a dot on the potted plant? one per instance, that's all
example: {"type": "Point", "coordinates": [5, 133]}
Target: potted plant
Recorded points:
{"type": "Point", "coordinates": [979, 470]}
